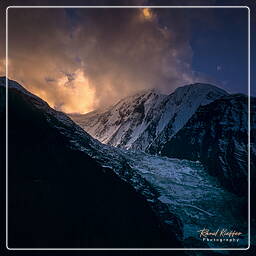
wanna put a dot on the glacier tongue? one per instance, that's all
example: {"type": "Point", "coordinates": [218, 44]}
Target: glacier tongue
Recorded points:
{"type": "Point", "coordinates": [194, 196]}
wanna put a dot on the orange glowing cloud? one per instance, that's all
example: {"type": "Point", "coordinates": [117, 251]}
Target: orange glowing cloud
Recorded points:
{"type": "Point", "coordinates": [147, 13]}
{"type": "Point", "coordinates": [80, 95]}
{"type": "Point", "coordinates": [78, 67]}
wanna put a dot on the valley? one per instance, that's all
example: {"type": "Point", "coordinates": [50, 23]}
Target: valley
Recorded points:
{"type": "Point", "coordinates": [179, 196]}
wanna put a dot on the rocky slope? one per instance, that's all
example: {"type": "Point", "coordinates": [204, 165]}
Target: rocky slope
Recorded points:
{"type": "Point", "coordinates": [59, 196]}
{"type": "Point", "coordinates": [217, 135]}
{"type": "Point", "coordinates": [144, 120]}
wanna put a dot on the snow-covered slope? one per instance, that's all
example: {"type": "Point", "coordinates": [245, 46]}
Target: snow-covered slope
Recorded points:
{"type": "Point", "coordinates": [148, 117]}
{"type": "Point", "coordinates": [175, 111]}
{"type": "Point", "coordinates": [121, 124]}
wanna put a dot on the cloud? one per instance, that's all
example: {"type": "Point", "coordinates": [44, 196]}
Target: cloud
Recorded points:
{"type": "Point", "coordinates": [82, 59]}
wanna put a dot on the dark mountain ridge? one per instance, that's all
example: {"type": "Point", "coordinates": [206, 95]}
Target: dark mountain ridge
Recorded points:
{"type": "Point", "coordinates": [217, 135]}
{"type": "Point", "coordinates": [60, 196]}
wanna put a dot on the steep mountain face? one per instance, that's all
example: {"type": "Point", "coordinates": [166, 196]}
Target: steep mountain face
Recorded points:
{"type": "Point", "coordinates": [143, 121]}
{"type": "Point", "coordinates": [177, 109]}
{"type": "Point", "coordinates": [60, 196]}
{"type": "Point", "coordinates": [121, 124]}
{"type": "Point", "coordinates": [217, 135]}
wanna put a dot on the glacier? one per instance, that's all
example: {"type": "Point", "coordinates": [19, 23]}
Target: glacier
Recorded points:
{"type": "Point", "coordinates": [192, 194]}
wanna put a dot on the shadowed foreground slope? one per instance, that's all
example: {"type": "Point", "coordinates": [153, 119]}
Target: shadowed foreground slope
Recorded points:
{"type": "Point", "coordinates": [60, 197]}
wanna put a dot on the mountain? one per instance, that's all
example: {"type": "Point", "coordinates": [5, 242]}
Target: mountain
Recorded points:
{"type": "Point", "coordinates": [60, 196]}
{"type": "Point", "coordinates": [199, 122]}
{"type": "Point", "coordinates": [217, 135]}
{"type": "Point", "coordinates": [66, 189]}
{"type": "Point", "coordinates": [121, 124]}
{"type": "Point", "coordinates": [142, 121]}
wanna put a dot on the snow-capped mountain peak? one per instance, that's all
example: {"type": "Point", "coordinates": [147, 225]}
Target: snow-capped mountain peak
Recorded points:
{"type": "Point", "coordinates": [136, 121]}
{"type": "Point", "coordinates": [122, 123]}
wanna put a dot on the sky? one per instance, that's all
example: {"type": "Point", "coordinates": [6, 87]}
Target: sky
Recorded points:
{"type": "Point", "coordinates": [82, 59]}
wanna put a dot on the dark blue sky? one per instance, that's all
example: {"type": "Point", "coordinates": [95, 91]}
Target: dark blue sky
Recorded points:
{"type": "Point", "coordinates": [219, 41]}
{"type": "Point", "coordinates": [221, 49]}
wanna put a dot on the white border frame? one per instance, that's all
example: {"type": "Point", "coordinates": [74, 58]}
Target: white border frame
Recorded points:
{"type": "Point", "coordinates": [131, 249]}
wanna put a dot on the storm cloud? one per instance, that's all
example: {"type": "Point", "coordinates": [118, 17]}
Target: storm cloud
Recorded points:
{"type": "Point", "coordinates": [82, 59]}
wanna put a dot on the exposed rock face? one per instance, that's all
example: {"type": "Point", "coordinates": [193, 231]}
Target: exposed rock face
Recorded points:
{"type": "Point", "coordinates": [217, 135]}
